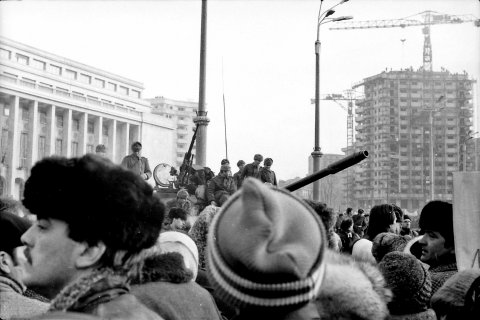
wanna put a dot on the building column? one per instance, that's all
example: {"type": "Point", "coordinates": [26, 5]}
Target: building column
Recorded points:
{"type": "Point", "coordinates": [113, 140]}
{"type": "Point", "coordinates": [98, 130]}
{"type": "Point", "coordinates": [67, 133]}
{"type": "Point", "coordinates": [33, 145]}
{"type": "Point", "coordinates": [51, 130]}
{"type": "Point", "coordinates": [82, 141]}
{"type": "Point", "coordinates": [127, 139]}
{"type": "Point", "coordinates": [15, 147]}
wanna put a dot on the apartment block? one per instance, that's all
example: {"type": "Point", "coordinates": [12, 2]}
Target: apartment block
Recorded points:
{"type": "Point", "coordinates": [410, 121]}
{"type": "Point", "coordinates": [181, 113]}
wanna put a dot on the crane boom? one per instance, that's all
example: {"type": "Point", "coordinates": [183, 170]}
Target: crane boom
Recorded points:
{"type": "Point", "coordinates": [429, 18]}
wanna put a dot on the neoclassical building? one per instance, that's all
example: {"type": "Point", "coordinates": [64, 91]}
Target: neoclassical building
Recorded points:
{"type": "Point", "coordinates": [50, 105]}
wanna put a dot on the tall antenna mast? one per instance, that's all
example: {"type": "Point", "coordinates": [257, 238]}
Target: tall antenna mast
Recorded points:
{"type": "Point", "coordinates": [224, 115]}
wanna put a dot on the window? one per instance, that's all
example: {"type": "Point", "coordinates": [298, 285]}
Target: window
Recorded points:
{"type": "Point", "coordinates": [42, 117]}
{"type": "Point", "coordinates": [85, 78]}
{"type": "Point", "coordinates": [99, 83]}
{"type": "Point", "coordinates": [181, 109]}
{"type": "Point", "coordinates": [55, 69]}
{"type": "Point", "coordinates": [5, 54]}
{"type": "Point", "coordinates": [74, 148]}
{"type": "Point", "coordinates": [136, 93]}
{"type": "Point", "coordinates": [58, 147]}
{"type": "Point", "coordinates": [62, 92]}
{"type": "Point", "coordinates": [89, 148]}
{"type": "Point", "coordinates": [123, 90]}
{"type": "Point", "coordinates": [90, 127]}
{"type": "Point", "coordinates": [22, 59]}
{"type": "Point", "coordinates": [70, 74]}
{"type": "Point", "coordinates": [111, 86]}
{"type": "Point", "coordinates": [59, 119]}
{"type": "Point", "coordinates": [4, 141]}
{"type": "Point", "coordinates": [105, 130]}
{"type": "Point", "coordinates": [37, 64]}
{"type": "Point", "coordinates": [25, 113]}
{"type": "Point", "coordinates": [76, 125]}
{"type": "Point", "coordinates": [23, 149]}
{"type": "Point", "coordinates": [42, 140]}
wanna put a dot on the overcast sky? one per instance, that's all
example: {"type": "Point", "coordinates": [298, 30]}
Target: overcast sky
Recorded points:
{"type": "Point", "coordinates": [267, 52]}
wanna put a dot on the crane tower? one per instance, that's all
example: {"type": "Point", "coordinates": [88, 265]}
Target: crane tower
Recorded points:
{"type": "Point", "coordinates": [425, 19]}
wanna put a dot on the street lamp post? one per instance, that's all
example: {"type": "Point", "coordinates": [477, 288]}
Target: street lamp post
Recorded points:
{"type": "Point", "coordinates": [432, 158]}
{"type": "Point", "coordinates": [317, 154]}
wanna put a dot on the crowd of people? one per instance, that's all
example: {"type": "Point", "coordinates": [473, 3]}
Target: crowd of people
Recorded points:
{"type": "Point", "coordinates": [92, 240]}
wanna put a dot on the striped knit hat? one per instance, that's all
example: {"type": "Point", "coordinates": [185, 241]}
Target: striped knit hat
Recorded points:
{"type": "Point", "coordinates": [265, 249]}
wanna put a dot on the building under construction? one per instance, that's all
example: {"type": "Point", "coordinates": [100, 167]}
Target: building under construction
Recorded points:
{"type": "Point", "coordinates": [395, 121]}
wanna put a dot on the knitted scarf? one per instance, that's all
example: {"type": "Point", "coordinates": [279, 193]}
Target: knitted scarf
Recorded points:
{"type": "Point", "coordinates": [100, 286]}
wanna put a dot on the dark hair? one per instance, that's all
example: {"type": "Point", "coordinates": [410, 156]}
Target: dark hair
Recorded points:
{"type": "Point", "coordinates": [240, 163]}
{"type": "Point", "coordinates": [99, 201]}
{"type": "Point", "coordinates": [136, 143]}
{"type": "Point", "coordinates": [268, 162]}
{"type": "Point", "coordinates": [224, 161]}
{"type": "Point", "coordinates": [346, 224]}
{"type": "Point", "coordinates": [327, 215]}
{"type": "Point", "coordinates": [360, 211]}
{"type": "Point", "coordinates": [177, 213]}
{"type": "Point", "coordinates": [258, 157]}
{"type": "Point", "coordinates": [438, 216]}
{"type": "Point", "coordinates": [381, 218]}
{"type": "Point", "coordinates": [100, 148]}
{"type": "Point", "coordinates": [349, 210]}
{"type": "Point", "coordinates": [398, 212]}
{"type": "Point", "coordinates": [11, 229]}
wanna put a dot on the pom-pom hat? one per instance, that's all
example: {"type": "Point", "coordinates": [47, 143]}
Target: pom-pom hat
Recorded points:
{"type": "Point", "coordinates": [265, 249]}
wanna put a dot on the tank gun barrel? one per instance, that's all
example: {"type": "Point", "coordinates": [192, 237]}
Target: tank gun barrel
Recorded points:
{"type": "Point", "coordinates": [333, 168]}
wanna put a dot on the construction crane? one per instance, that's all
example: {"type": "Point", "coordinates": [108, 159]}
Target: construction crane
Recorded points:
{"type": "Point", "coordinates": [429, 18]}
{"type": "Point", "coordinates": [348, 96]}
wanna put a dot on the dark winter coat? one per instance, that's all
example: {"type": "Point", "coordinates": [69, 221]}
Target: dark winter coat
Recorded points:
{"type": "Point", "coordinates": [250, 170]}
{"type": "Point", "coordinates": [268, 176]}
{"type": "Point", "coordinates": [348, 239]}
{"type": "Point", "coordinates": [219, 186]}
{"type": "Point", "coordinates": [167, 290]}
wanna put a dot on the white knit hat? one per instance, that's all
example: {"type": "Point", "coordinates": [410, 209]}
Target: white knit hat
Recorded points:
{"type": "Point", "coordinates": [187, 242]}
{"type": "Point", "coordinates": [265, 249]}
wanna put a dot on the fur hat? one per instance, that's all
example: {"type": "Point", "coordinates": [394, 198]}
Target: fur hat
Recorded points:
{"type": "Point", "coordinates": [352, 290]}
{"type": "Point", "coordinates": [257, 157]}
{"type": "Point", "coordinates": [438, 216]}
{"type": "Point", "coordinates": [182, 192]}
{"type": "Point", "coordinates": [98, 200]}
{"type": "Point", "coordinates": [453, 300]}
{"type": "Point", "coordinates": [11, 229]}
{"type": "Point", "coordinates": [265, 249]}
{"type": "Point", "coordinates": [386, 242]}
{"type": "Point", "coordinates": [409, 280]}
{"type": "Point", "coordinates": [225, 167]}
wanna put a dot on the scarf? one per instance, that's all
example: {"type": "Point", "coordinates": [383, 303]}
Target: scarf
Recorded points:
{"type": "Point", "coordinates": [96, 288]}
